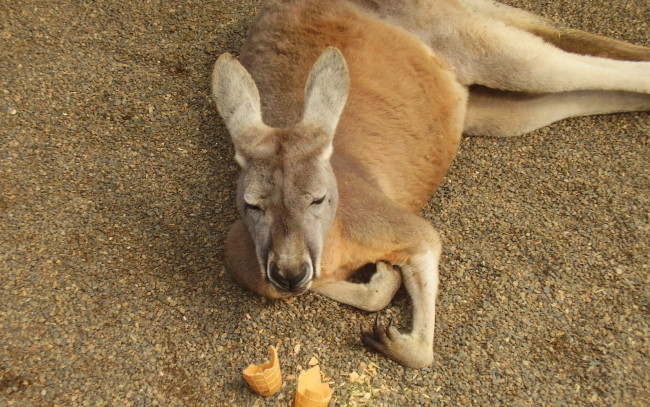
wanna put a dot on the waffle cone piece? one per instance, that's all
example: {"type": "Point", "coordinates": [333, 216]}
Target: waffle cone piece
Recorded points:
{"type": "Point", "coordinates": [265, 379]}
{"type": "Point", "coordinates": [311, 391]}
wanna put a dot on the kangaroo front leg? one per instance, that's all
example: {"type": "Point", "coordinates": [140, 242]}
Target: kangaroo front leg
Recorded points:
{"type": "Point", "coordinates": [415, 349]}
{"type": "Point", "coordinates": [372, 296]}
{"type": "Point", "coordinates": [242, 262]}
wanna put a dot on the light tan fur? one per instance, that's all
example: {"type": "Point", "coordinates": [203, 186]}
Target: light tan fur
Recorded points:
{"type": "Point", "coordinates": [334, 172]}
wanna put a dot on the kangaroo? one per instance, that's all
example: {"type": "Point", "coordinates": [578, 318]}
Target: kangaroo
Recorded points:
{"type": "Point", "coordinates": [345, 116]}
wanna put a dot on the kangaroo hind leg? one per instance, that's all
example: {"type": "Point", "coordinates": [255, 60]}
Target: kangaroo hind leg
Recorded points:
{"type": "Point", "coordinates": [483, 49]}
{"type": "Point", "coordinates": [516, 60]}
{"type": "Point", "coordinates": [567, 39]}
{"type": "Point", "coordinates": [505, 114]}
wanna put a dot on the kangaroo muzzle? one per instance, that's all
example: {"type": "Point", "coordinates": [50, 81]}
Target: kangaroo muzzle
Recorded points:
{"type": "Point", "coordinates": [294, 279]}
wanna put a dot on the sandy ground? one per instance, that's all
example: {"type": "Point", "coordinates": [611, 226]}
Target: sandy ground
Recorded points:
{"type": "Point", "coordinates": [116, 192]}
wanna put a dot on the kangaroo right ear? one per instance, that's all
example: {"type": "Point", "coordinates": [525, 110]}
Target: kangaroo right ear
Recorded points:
{"type": "Point", "coordinates": [238, 101]}
{"type": "Point", "coordinates": [326, 91]}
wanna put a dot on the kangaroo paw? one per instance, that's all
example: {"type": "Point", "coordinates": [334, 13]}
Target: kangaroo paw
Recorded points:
{"type": "Point", "coordinates": [406, 349]}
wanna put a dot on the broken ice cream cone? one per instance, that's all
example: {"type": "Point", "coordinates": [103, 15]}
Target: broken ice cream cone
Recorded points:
{"type": "Point", "coordinates": [265, 379]}
{"type": "Point", "coordinates": [311, 391]}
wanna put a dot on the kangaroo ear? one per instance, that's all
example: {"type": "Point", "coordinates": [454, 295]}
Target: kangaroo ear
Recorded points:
{"type": "Point", "coordinates": [238, 101]}
{"type": "Point", "coordinates": [326, 91]}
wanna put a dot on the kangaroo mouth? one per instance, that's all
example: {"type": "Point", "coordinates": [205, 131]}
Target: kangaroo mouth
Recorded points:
{"type": "Point", "coordinates": [291, 292]}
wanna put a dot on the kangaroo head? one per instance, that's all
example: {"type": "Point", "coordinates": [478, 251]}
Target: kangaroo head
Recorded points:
{"type": "Point", "coordinates": [286, 192]}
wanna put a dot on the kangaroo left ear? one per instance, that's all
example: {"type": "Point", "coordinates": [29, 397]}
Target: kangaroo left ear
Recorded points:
{"type": "Point", "coordinates": [326, 91]}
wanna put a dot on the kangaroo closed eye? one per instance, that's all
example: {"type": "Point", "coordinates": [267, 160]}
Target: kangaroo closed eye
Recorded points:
{"type": "Point", "coordinates": [318, 201]}
{"type": "Point", "coordinates": [252, 207]}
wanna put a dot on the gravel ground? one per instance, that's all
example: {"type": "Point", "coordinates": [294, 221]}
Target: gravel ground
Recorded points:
{"type": "Point", "coordinates": [117, 181]}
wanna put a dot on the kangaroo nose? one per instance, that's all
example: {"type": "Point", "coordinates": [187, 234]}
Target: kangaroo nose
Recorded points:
{"type": "Point", "coordinates": [287, 281]}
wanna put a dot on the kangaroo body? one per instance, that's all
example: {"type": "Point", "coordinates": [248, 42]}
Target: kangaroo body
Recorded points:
{"type": "Point", "coordinates": [346, 115]}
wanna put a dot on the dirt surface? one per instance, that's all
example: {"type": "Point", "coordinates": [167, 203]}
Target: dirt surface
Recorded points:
{"type": "Point", "coordinates": [116, 192]}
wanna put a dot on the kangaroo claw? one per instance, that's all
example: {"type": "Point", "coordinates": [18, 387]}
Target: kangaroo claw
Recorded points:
{"type": "Point", "coordinates": [402, 348]}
